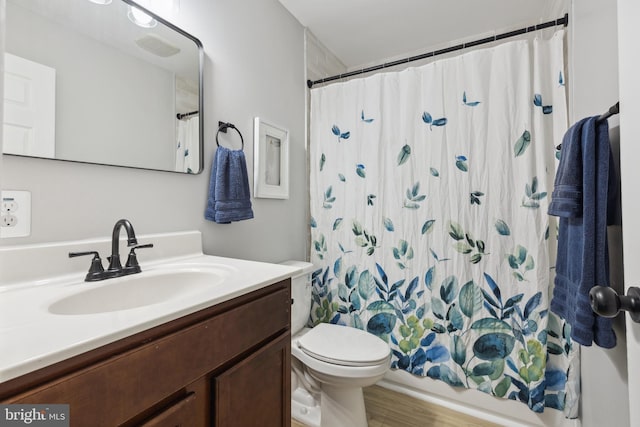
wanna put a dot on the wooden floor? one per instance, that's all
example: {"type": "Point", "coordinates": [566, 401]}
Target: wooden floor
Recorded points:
{"type": "Point", "coordinates": [387, 408]}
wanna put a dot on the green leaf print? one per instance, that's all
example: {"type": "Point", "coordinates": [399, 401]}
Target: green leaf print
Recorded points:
{"type": "Point", "coordinates": [503, 228]}
{"type": "Point", "coordinates": [405, 152]}
{"type": "Point", "coordinates": [413, 198]}
{"type": "Point", "coordinates": [532, 196]}
{"type": "Point", "coordinates": [328, 198]}
{"type": "Point", "coordinates": [522, 143]}
{"type": "Point", "coordinates": [426, 227]}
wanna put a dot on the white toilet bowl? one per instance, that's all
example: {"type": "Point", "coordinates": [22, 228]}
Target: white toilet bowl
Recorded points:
{"type": "Point", "coordinates": [330, 364]}
{"type": "Point", "coordinates": [341, 360]}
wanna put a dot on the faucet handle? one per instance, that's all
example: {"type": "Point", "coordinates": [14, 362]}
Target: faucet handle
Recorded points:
{"type": "Point", "coordinates": [132, 260]}
{"type": "Point", "coordinates": [96, 269]}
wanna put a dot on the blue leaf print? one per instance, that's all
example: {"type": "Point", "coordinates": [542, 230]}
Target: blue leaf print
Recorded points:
{"type": "Point", "coordinates": [532, 304]}
{"type": "Point", "coordinates": [470, 103]}
{"type": "Point", "coordinates": [537, 100]}
{"type": "Point", "coordinates": [493, 346]}
{"type": "Point", "coordinates": [381, 323]}
{"type": "Point", "coordinates": [186, 152]}
{"type": "Point", "coordinates": [313, 223]}
{"type": "Point", "coordinates": [426, 117]}
{"type": "Point", "coordinates": [426, 341]}
{"type": "Point", "coordinates": [341, 135]}
{"type": "Point", "coordinates": [323, 159]}
{"type": "Point", "coordinates": [444, 373]}
{"type": "Point", "coordinates": [461, 163]}
{"type": "Point", "coordinates": [360, 170]}
{"type": "Point", "coordinates": [561, 79]}
{"type": "Point", "coordinates": [449, 289]}
{"type": "Point", "coordinates": [388, 224]}
{"type": "Point", "coordinates": [418, 359]}
{"type": "Point", "coordinates": [437, 354]}
{"type": "Point", "coordinates": [341, 177]}
{"type": "Point", "coordinates": [411, 288]}
{"type": "Point", "coordinates": [555, 379]}
{"type": "Point", "coordinates": [337, 266]}
{"type": "Point", "coordinates": [434, 172]}
{"type": "Point", "coordinates": [428, 277]}
{"type": "Point", "coordinates": [494, 287]}
{"type": "Point", "coordinates": [337, 223]}
{"type": "Point", "coordinates": [363, 119]}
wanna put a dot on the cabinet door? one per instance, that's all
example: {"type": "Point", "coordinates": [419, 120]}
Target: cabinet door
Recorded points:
{"type": "Point", "coordinates": [180, 414]}
{"type": "Point", "coordinates": [257, 391]}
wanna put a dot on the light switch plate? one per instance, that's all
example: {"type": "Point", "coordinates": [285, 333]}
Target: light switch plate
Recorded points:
{"type": "Point", "coordinates": [15, 214]}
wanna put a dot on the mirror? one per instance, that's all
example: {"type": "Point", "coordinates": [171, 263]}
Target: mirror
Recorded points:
{"type": "Point", "coordinates": [101, 81]}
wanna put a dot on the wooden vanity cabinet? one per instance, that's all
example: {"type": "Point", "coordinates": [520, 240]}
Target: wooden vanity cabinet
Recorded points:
{"type": "Point", "coordinates": [227, 366]}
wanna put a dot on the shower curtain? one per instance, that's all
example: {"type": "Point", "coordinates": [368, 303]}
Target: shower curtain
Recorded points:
{"type": "Point", "coordinates": [429, 225]}
{"type": "Point", "coordinates": [188, 145]}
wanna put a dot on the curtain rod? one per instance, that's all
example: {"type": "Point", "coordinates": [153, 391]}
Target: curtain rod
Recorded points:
{"type": "Point", "coordinates": [560, 21]}
{"type": "Point", "coordinates": [185, 115]}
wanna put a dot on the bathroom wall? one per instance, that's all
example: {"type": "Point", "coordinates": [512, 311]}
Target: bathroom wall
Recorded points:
{"type": "Point", "coordinates": [593, 87]}
{"type": "Point", "coordinates": [254, 67]}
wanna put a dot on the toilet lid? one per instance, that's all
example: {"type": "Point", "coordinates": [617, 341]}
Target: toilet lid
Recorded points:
{"type": "Point", "coordinates": [343, 345]}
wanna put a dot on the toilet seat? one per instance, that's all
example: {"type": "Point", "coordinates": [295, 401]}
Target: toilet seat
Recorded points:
{"type": "Point", "coordinates": [343, 345]}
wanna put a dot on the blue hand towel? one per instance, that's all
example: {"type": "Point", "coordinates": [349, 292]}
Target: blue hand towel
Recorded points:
{"type": "Point", "coordinates": [229, 196]}
{"type": "Point", "coordinates": [586, 184]}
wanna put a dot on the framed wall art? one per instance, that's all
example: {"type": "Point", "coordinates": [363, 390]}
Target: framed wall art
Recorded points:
{"type": "Point", "coordinates": [271, 160]}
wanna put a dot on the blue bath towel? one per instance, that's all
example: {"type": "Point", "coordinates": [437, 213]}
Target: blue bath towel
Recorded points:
{"type": "Point", "coordinates": [584, 195]}
{"type": "Point", "coordinates": [229, 194]}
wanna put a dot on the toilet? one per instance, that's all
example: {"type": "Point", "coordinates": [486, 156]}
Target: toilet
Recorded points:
{"type": "Point", "coordinates": [330, 364]}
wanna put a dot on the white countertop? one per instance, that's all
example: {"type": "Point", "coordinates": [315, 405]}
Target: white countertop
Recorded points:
{"type": "Point", "coordinates": [31, 337]}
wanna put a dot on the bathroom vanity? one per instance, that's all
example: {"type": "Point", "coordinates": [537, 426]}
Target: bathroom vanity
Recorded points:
{"type": "Point", "coordinates": [218, 357]}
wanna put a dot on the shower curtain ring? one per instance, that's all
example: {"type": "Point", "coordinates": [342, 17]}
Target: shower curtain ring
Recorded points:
{"type": "Point", "coordinates": [222, 127]}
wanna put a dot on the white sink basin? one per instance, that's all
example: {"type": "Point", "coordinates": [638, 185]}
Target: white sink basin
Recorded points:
{"type": "Point", "coordinates": [139, 290]}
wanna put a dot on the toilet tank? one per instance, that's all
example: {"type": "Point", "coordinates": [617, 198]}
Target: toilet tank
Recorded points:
{"type": "Point", "coordinates": [301, 295]}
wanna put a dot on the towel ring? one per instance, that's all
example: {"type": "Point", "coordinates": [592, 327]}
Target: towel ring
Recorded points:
{"type": "Point", "coordinates": [222, 127]}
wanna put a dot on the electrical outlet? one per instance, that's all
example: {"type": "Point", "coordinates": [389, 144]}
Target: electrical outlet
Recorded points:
{"type": "Point", "coordinates": [15, 214]}
{"type": "Point", "coordinates": [9, 204]}
{"type": "Point", "coordinates": [8, 220]}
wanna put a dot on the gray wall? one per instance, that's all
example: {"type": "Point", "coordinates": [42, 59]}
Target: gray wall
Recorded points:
{"type": "Point", "coordinates": [594, 88]}
{"type": "Point", "coordinates": [254, 67]}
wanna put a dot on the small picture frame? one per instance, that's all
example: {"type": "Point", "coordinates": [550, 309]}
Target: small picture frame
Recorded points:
{"type": "Point", "coordinates": [271, 160]}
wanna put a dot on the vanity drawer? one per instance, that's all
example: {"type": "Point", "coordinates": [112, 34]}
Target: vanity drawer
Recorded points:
{"type": "Point", "coordinates": [115, 390]}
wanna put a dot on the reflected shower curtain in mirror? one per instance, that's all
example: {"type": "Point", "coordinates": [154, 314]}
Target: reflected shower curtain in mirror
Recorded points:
{"type": "Point", "coordinates": [188, 145]}
{"type": "Point", "coordinates": [429, 225]}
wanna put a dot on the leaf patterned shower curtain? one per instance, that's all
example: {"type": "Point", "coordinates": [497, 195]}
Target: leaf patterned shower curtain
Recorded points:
{"type": "Point", "coordinates": [429, 226]}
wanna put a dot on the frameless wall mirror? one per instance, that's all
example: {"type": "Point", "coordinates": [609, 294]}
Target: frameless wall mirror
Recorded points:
{"type": "Point", "coordinates": [101, 81]}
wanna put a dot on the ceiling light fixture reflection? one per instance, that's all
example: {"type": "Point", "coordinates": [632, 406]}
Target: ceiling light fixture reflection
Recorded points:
{"type": "Point", "coordinates": [101, 2]}
{"type": "Point", "coordinates": [140, 18]}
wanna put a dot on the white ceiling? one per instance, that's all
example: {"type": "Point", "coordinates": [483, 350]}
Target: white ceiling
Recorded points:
{"type": "Point", "coordinates": [365, 32]}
